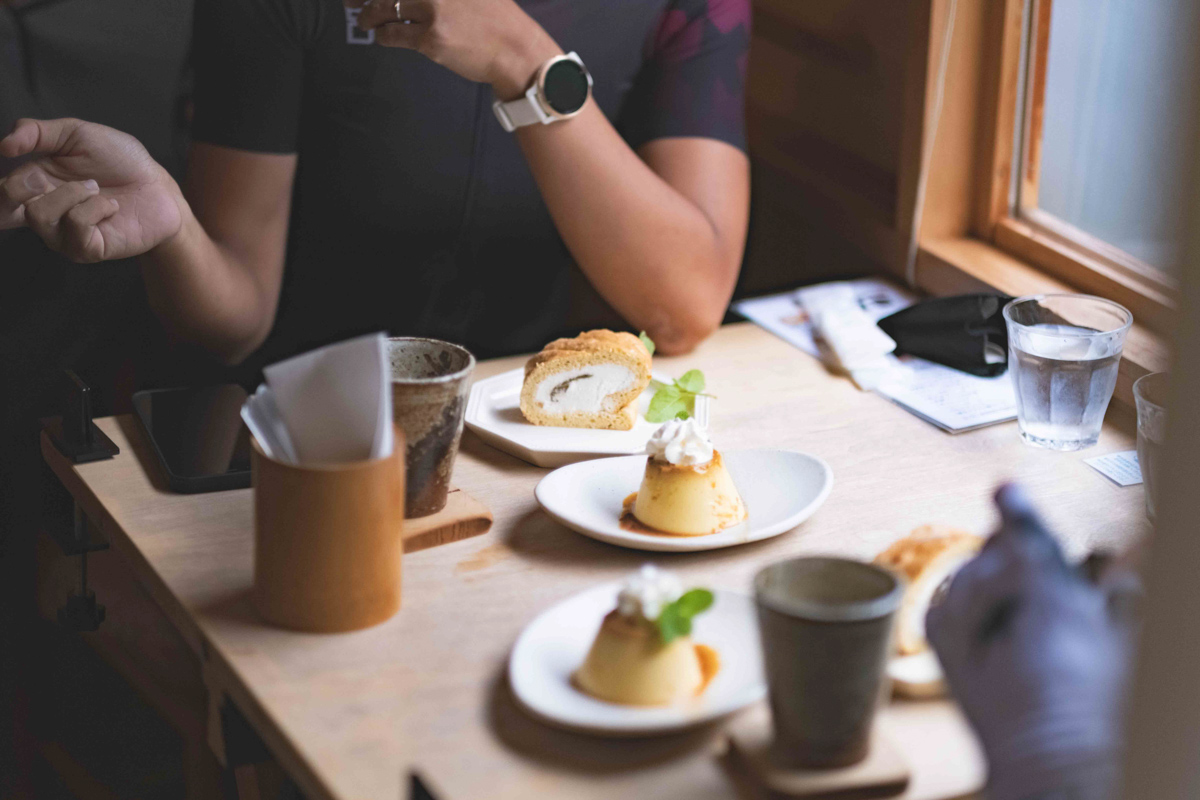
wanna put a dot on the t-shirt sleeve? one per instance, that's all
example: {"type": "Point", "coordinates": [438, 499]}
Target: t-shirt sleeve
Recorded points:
{"type": "Point", "coordinates": [249, 72]}
{"type": "Point", "coordinates": [693, 80]}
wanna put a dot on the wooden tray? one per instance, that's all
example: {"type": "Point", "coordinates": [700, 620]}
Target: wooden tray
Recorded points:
{"type": "Point", "coordinates": [884, 772]}
{"type": "Point", "coordinates": [462, 518]}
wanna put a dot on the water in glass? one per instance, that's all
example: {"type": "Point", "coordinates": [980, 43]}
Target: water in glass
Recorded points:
{"type": "Point", "coordinates": [1064, 379]}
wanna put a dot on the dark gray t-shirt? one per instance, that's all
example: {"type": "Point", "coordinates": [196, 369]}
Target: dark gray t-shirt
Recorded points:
{"type": "Point", "coordinates": [413, 211]}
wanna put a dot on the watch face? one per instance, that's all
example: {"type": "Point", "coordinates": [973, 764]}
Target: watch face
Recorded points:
{"type": "Point", "coordinates": [565, 86]}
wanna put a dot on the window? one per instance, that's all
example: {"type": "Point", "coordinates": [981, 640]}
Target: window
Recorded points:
{"type": "Point", "coordinates": [1095, 117]}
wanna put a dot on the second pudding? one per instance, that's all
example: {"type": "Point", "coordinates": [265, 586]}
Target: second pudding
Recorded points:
{"type": "Point", "coordinates": [686, 489]}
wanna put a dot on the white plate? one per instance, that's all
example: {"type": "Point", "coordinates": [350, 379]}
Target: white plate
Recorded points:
{"type": "Point", "coordinates": [781, 489]}
{"type": "Point", "coordinates": [494, 414]}
{"type": "Point", "coordinates": [554, 645]}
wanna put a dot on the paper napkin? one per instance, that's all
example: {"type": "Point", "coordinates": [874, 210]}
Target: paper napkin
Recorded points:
{"type": "Point", "coordinates": [334, 404]}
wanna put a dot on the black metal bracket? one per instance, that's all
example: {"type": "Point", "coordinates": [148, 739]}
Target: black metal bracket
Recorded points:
{"type": "Point", "coordinates": [73, 433]}
{"type": "Point", "coordinates": [76, 436]}
{"type": "Point", "coordinates": [81, 611]}
{"type": "Point", "coordinates": [417, 790]}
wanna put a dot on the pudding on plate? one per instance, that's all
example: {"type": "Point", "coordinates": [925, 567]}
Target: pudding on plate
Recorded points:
{"type": "Point", "coordinates": [686, 489]}
{"type": "Point", "coordinates": [638, 658]}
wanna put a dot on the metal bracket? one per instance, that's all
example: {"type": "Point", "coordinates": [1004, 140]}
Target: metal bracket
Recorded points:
{"type": "Point", "coordinates": [73, 433]}
{"type": "Point", "coordinates": [81, 612]}
{"type": "Point", "coordinates": [75, 436]}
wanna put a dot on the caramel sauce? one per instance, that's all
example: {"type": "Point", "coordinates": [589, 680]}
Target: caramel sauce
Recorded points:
{"type": "Point", "coordinates": [631, 523]}
{"type": "Point", "coordinates": [710, 664]}
{"type": "Point", "coordinates": [634, 525]}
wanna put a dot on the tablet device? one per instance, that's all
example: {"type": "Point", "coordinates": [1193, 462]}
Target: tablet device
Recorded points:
{"type": "Point", "coordinates": [198, 436]}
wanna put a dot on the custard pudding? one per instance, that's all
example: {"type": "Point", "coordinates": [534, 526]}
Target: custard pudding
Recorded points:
{"type": "Point", "coordinates": [686, 489]}
{"type": "Point", "coordinates": [638, 660]}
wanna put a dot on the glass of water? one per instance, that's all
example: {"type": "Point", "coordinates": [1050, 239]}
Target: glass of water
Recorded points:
{"type": "Point", "coordinates": [1063, 351]}
{"type": "Point", "coordinates": [1150, 394]}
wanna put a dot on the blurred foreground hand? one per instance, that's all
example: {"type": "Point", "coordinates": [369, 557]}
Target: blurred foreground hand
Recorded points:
{"type": "Point", "coordinates": [1038, 657]}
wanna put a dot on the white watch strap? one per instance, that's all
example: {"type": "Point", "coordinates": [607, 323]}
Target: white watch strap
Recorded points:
{"type": "Point", "coordinates": [525, 110]}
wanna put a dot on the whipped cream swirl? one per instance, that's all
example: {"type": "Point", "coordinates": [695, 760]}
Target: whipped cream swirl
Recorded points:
{"type": "Point", "coordinates": [682, 442]}
{"type": "Point", "coordinates": [647, 591]}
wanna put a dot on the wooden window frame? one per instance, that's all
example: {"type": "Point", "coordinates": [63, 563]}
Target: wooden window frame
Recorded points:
{"type": "Point", "coordinates": [968, 239]}
{"type": "Point", "coordinates": [1006, 214]}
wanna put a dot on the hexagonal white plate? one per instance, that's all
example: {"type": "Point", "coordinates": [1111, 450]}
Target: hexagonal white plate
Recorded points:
{"type": "Point", "coordinates": [494, 414]}
{"type": "Point", "coordinates": [552, 647]}
{"type": "Point", "coordinates": [781, 489]}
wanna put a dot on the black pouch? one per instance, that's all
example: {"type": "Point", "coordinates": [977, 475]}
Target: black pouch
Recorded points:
{"type": "Point", "coordinates": [966, 332]}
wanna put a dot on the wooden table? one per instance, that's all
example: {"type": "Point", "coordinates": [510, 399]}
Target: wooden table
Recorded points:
{"type": "Point", "coordinates": [348, 716]}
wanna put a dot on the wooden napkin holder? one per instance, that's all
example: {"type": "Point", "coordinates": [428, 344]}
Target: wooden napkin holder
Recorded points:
{"type": "Point", "coordinates": [327, 541]}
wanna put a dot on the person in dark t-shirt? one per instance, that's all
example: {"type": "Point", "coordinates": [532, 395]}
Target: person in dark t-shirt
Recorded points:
{"type": "Point", "coordinates": [429, 167]}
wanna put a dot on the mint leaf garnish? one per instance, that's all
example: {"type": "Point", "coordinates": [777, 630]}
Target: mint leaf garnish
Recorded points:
{"type": "Point", "coordinates": [672, 625]}
{"type": "Point", "coordinates": [667, 403]}
{"type": "Point", "coordinates": [676, 618]}
{"type": "Point", "coordinates": [691, 381]}
{"type": "Point", "coordinates": [676, 400]}
{"type": "Point", "coordinates": [647, 342]}
{"type": "Point", "coordinates": [694, 601]}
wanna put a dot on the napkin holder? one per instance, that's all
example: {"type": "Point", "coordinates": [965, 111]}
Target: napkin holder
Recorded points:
{"type": "Point", "coordinates": [327, 541]}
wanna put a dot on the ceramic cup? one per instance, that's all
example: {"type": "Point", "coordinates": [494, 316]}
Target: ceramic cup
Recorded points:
{"type": "Point", "coordinates": [429, 395]}
{"type": "Point", "coordinates": [826, 626]}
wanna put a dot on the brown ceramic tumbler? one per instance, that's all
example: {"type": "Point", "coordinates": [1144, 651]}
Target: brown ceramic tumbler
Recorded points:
{"type": "Point", "coordinates": [429, 395]}
{"type": "Point", "coordinates": [826, 627]}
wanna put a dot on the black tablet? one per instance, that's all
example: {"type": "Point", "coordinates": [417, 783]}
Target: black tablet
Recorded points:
{"type": "Point", "coordinates": [198, 436]}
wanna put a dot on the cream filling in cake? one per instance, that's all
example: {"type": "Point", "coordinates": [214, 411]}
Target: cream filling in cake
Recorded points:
{"type": "Point", "coordinates": [919, 596]}
{"type": "Point", "coordinates": [584, 389]}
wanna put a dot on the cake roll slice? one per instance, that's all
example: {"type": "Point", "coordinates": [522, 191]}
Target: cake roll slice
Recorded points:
{"type": "Point", "coordinates": [590, 381]}
{"type": "Point", "coordinates": [928, 557]}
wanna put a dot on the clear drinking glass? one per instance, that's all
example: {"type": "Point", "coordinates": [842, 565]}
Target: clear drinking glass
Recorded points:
{"type": "Point", "coordinates": [1063, 351]}
{"type": "Point", "coordinates": [1150, 394]}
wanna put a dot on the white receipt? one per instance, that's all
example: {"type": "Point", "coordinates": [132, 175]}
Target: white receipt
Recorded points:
{"type": "Point", "coordinates": [952, 400]}
{"type": "Point", "coordinates": [1121, 468]}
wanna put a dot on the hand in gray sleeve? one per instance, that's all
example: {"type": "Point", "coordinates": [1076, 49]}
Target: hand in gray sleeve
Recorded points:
{"type": "Point", "coordinates": [1037, 656]}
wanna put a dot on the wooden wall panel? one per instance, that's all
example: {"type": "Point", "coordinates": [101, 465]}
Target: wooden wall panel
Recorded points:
{"type": "Point", "coordinates": [835, 112]}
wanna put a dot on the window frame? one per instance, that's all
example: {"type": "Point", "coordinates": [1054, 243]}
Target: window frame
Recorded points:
{"type": "Point", "coordinates": [1006, 215]}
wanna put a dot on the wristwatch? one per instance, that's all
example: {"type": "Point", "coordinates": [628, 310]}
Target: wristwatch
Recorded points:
{"type": "Point", "coordinates": [559, 91]}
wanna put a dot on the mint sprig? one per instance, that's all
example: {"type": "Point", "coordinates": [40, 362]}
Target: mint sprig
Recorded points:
{"type": "Point", "coordinates": [676, 400]}
{"type": "Point", "coordinates": [647, 342]}
{"type": "Point", "coordinates": [676, 618]}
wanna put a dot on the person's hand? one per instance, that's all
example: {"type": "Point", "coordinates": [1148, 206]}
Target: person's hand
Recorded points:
{"type": "Point", "coordinates": [1038, 657]}
{"type": "Point", "coordinates": [90, 192]}
{"type": "Point", "coordinates": [489, 41]}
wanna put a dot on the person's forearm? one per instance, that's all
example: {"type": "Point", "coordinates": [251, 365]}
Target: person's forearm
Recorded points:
{"type": "Point", "coordinates": [651, 252]}
{"type": "Point", "coordinates": [648, 250]}
{"type": "Point", "coordinates": [203, 295]}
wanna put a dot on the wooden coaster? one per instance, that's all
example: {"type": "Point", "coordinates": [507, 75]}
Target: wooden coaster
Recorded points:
{"type": "Point", "coordinates": [884, 772]}
{"type": "Point", "coordinates": [462, 518]}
